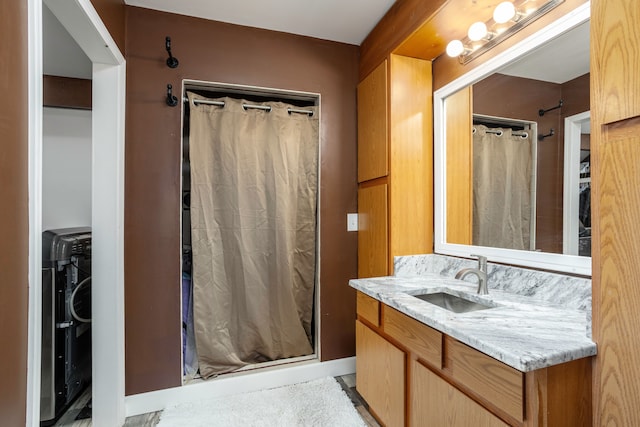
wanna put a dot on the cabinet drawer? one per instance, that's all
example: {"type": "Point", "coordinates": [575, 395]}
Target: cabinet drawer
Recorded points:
{"type": "Point", "coordinates": [368, 308]}
{"type": "Point", "coordinates": [422, 340]}
{"type": "Point", "coordinates": [492, 380]}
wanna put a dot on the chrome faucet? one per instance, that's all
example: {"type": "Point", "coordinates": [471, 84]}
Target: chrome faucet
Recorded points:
{"type": "Point", "coordinates": [480, 272]}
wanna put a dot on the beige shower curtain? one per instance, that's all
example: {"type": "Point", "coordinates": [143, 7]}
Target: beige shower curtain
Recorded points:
{"type": "Point", "coordinates": [501, 189]}
{"type": "Point", "coordinates": [254, 186]}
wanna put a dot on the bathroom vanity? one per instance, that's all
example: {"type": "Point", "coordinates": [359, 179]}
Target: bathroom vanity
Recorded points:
{"type": "Point", "coordinates": [524, 359]}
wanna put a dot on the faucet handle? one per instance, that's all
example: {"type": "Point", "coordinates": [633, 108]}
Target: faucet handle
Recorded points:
{"type": "Point", "coordinates": [482, 262]}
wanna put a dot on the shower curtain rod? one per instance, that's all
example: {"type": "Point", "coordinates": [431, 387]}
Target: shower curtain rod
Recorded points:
{"type": "Point", "coordinates": [245, 106]}
{"type": "Point", "coordinates": [499, 132]}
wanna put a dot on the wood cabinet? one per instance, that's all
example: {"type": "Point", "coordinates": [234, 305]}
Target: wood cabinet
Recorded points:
{"type": "Point", "coordinates": [615, 156]}
{"type": "Point", "coordinates": [451, 384]}
{"type": "Point", "coordinates": [486, 378]}
{"type": "Point", "coordinates": [380, 373]}
{"type": "Point", "coordinates": [373, 230]}
{"type": "Point", "coordinates": [435, 402]}
{"type": "Point", "coordinates": [368, 309]}
{"type": "Point", "coordinates": [423, 341]}
{"type": "Point", "coordinates": [373, 137]}
{"type": "Point", "coordinates": [395, 156]}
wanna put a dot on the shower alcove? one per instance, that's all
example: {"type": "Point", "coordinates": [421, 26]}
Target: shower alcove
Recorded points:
{"type": "Point", "coordinates": [250, 228]}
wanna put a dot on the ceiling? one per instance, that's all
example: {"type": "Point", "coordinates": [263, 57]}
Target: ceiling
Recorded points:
{"type": "Point", "coordinates": [560, 60]}
{"type": "Point", "coordinates": [557, 61]}
{"type": "Point", "coordinates": [346, 21]}
{"type": "Point", "coordinates": [60, 53]}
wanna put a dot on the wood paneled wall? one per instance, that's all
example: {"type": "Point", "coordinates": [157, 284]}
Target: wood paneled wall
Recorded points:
{"type": "Point", "coordinates": [615, 154]}
{"type": "Point", "coordinates": [14, 215]}
{"type": "Point", "coordinates": [218, 52]}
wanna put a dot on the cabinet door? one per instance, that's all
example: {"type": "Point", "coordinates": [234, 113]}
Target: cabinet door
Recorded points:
{"type": "Point", "coordinates": [615, 153]}
{"type": "Point", "coordinates": [380, 376]}
{"type": "Point", "coordinates": [458, 111]}
{"type": "Point", "coordinates": [435, 402]}
{"type": "Point", "coordinates": [373, 138]}
{"type": "Point", "coordinates": [410, 156]}
{"type": "Point", "coordinates": [373, 246]}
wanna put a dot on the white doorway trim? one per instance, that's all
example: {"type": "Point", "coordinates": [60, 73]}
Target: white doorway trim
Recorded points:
{"type": "Point", "coordinates": [571, 196]}
{"type": "Point", "coordinates": [83, 23]}
{"type": "Point", "coordinates": [35, 211]}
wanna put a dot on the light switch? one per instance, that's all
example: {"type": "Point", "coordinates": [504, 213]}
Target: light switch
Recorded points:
{"type": "Point", "coordinates": [352, 222]}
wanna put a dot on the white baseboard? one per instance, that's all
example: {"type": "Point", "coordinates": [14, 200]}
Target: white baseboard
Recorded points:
{"type": "Point", "coordinates": [241, 383]}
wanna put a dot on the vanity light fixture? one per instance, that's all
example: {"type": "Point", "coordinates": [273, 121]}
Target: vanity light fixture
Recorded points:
{"type": "Point", "coordinates": [508, 18]}
{"type": "Point", "coordinates": [455, 48]}
{"type": "Point", "coordinates": [504, 12]}
{"type": "Point", "coordinates": [477, 31]}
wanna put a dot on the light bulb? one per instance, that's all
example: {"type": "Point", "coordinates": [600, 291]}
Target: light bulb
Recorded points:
{"type": "Point", "coordinates": [504, 12]}
{"type": "Point", "coordinates": [455, 48]}
{"type": "Point", "coordinates": [477, 31]}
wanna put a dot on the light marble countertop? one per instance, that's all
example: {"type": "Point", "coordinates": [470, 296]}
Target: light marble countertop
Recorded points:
{"type": "Point", "coordinates": [520, 331]}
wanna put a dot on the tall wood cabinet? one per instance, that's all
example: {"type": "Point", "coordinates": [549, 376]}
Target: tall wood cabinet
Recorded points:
{"type": "Point", "coordinates": [615, 155]}
{"type": "Point", "coordinates": [395, 164]}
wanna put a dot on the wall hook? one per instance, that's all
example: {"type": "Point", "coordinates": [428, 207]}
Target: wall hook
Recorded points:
{"type": "Point", "coordinates": [551, 133]}
{"type": "Point", "coordinates": [541, 111]}
{"type": "Point", "coordinates": [172, 101]}
{"type": "Point", "coordinates": [171, 61]}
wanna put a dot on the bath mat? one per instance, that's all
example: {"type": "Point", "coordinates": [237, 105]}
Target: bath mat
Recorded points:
{"type": "Point", "coordinates": [317, 403]}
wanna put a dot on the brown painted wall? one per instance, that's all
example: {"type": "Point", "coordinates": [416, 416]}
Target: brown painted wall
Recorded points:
{"type": "Point", "coordinates": [521, 99]}
{"type": "Point", "coordinates": [112, 13]}
{"type": "Point", "coordinates": [227, 53]}
{"type": "Point", "coordinates": [66, 92]}
{"type": "Point", "coordinates": [14, 215]}
{"type": "Point", "coordinates": [575, 94]}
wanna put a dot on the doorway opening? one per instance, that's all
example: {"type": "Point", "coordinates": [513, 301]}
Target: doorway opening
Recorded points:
{"type": "Point", "coordinates": [577, 185]}
{"type": "Point", "coordinates": [83, 24]}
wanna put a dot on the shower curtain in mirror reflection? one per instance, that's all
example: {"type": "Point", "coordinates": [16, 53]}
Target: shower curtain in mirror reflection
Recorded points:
{"type": "Point", "coordinates": [501, 189]}
{"type": "Point", "coordinates": [254, 186]}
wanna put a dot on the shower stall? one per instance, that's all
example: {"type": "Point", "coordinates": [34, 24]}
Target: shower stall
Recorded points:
{"type": "Point", "coordinates": [249, 227]}
{"type": "Point", "coordinates": [504, 182]}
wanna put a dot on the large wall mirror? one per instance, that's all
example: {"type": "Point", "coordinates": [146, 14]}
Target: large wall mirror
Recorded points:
{"type": "Point", "coordinates": [512, 163]}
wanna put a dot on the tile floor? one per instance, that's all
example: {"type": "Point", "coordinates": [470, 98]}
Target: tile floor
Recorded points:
{"type": "Point", "coordinates": [348, 383]}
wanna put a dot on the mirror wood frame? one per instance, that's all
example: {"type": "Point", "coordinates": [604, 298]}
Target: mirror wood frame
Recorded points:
{"type": "Point", "coordinates": [542, 260]}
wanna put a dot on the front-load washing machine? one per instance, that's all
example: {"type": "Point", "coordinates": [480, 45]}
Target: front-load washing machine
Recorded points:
{"type": "Point", "coordinates": [66, 319]}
